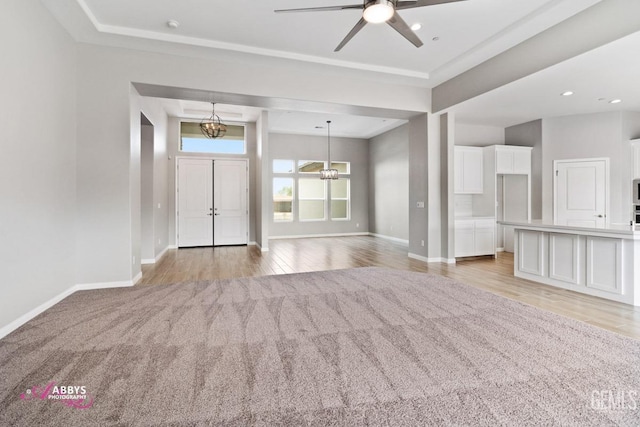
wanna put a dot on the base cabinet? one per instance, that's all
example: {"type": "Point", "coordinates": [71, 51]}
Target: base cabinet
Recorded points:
{"type": "Point", "coordinates": [595, 265]}
{"type": "Point", "coordinates": [475, 237]}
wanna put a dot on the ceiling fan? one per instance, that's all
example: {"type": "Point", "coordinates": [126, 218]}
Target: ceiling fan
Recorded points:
{"type": "Point", "coordinates": [376, 12]}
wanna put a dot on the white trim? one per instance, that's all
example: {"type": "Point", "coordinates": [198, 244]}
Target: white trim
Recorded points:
{"type": "Point", "coordinates": [437, 259]}
{"type": "Point", "coordinates": [499, 249]}
{"type": "Point", "coordinates": [7, 329]}
{"type": "Point", "coordinates": [161, 254]}
{"type": "Point", "coordinates": [393, 239]}
{"type": "Point", "coordinates": [311, 236]}
{"type": "Point", "coordinates": [261, 248]}
{"type": "Point", "coordinates": [252, 243]}
{"type": "Point", "coordinates": [147, 261]}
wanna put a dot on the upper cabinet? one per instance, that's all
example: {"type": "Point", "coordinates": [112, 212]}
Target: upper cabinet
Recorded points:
{"type": "Point", "coordinates": [468, 177]}
{"type": "Point", "coordinates": [635, 145]}
{"type": "Point", "coordinates": [512, 159]}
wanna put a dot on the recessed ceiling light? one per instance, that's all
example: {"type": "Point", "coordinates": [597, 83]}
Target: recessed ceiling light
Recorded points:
{"type": "Point", "coordinates": [416, 26]}
{"type": "Point", "coordinates": [435, 39]}
{"type": "Point", "coordinates": [173, 24]}
{"type": "Point", "coordinates": [615, 101]}
{"type": "Point", "coordinates": [567, 93]}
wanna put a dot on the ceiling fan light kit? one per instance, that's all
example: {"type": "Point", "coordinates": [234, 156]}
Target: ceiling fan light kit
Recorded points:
{"type": "Point", "coordinates": [377, 12]}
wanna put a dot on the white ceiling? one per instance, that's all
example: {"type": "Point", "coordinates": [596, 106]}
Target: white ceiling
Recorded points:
{"type": "Point", "coordinates": [596, 77]}
{"type": "Point", "coordinates": [469, 32]}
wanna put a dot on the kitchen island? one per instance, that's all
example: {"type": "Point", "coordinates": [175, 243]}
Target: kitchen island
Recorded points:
{"type": "Point", "coordinates": [604, 262]}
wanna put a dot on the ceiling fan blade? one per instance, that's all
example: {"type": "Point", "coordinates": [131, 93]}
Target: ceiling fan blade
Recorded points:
{"type": "Point", "coordinates": [360, 25]}
{"type": "Point", "coordinates": [320, 9]}
{"type": "Point", "coordinates": [398, 24]}
{"type": "Point", "coordinates": [421, 3]}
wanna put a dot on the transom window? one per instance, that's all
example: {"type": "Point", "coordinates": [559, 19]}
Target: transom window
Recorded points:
{"type": "Point", "coordinates": [193, 141]}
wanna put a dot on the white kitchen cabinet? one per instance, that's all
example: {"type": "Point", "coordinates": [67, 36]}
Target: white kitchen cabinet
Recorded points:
{"type": "Point", "coordinates": [465, 238]}
{"type": "Point", "coordinates": [513, 160]}
{"type": "Point", "coordinates": [475, 237]}
{"type": "Point", "coordinates": [635, 145]}
{"type": "Point", "coordinates": [468, 170]}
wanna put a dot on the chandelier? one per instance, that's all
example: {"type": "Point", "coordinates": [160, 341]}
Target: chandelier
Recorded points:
{"type": "Point", "coordinates": [212, 127]}
{"type": "Point", "coordinates": [329, 173]}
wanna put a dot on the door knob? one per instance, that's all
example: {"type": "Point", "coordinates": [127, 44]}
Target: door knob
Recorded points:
{"type": "Point", "coordinates": [600, 216]}
{"type": "Point", "coordinates": [210, 214]}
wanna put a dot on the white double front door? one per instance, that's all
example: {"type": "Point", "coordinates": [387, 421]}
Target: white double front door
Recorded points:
{"type": "Point", "coordinates": [212, 202]}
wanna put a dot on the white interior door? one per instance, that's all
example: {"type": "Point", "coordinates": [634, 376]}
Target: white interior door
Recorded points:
{"type": "Point", "coordinates": [195, 206]}
{"type": "Point", "coordinates": [230, 202]}
{"type": "Point", "coordinates": [581, 192]}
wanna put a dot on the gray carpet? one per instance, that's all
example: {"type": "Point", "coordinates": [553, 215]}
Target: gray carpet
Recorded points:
{"type": "Point", "coordinates": [355, 347]}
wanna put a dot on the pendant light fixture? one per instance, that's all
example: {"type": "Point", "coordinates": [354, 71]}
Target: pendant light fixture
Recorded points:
{"type": "Point", "coordinates": [329, 173]}
{"type": "Point", "coordinates": [212, 127]}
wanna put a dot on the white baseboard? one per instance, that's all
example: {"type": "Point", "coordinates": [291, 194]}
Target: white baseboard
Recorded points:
{"type": "Point", "coordinates": [393, 239]}
{"type": "Point", "coordinates": [435, 259]}
{"type": "Point", "coordinates": [261, 248]}
{"type": "Point", "coordinates": [252, 243]}
{"type": "Point", "coordinates": [312, 236]}
{"type": "Point", "coordinates": [499, 249]}
{"type": "Point", "coordinates": [156, 259]}
{"type": "Point", "coordinates": [7, 329]}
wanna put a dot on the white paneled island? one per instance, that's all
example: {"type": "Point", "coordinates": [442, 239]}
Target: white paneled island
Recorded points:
{"type": "Point", "coordinates": [603, 262]}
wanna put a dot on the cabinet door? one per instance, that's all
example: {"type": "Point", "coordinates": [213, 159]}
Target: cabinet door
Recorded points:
{"type": "Point", "coordinates": [485, 238]}
{"type": "Point", "coordinates": [472, 172]}
{"type": "Point", "coordinates": [504, 161]}
{"type": "Point", "coordinates": [522, 161]}
{"type": "Point", "coordinates": [464, 239]}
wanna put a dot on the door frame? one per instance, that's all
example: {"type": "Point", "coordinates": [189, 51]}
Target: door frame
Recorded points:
{"type": "Point", "coordinates": [607, 181]}
{"type": "Point", "coordinates": [175, 192]}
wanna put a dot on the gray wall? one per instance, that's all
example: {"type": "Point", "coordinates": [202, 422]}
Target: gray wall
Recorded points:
{"type": "Point", "coordinates": [174, 152]}
{"type": "Point", "coordinates": [389, 183]}
{"type": "Point", "coordinates": [478, 135]}
{"type": "Point", "coordinates": [591, 136]}
{"type": "Point", "coordinates": [304, 147]}
{"type": "Point", "coordinates": [105, 127]}
{"type": "Point", "coordinates": [530, 135]}
{"type": "Point", "coordinates": [418, 185]}
{"type": "Point", "coordinates": [147, 251]}
{"type": "Point", "coordinates": [37, 177]}
{"type": "Point", "coordinates": [447, 139]}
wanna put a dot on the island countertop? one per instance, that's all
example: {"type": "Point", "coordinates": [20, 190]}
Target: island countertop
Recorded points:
{"type": "Point", "coordinates": [609, 230]}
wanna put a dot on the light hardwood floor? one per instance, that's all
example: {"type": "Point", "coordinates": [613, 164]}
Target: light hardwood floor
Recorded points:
{"type": "Point", "coordinates": [303, 255]}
